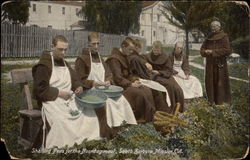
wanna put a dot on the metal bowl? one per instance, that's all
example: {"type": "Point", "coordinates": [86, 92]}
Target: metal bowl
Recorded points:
{"type": "Point", "coordinates": [91, 99]}
{"type": "Point", "coordinates": [112, 91]}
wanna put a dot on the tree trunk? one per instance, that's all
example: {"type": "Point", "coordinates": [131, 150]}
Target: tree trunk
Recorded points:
{"type": "Point", "coordinates": [187, 43]}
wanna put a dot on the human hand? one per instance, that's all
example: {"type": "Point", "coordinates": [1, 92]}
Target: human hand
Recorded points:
{"type": "Point", "coordinates": [155, 72]}
{"type": "Point", "coordinates": [136, 84]}
{"type": "Point", "coordinates": [208, 51]}
{"type": "Point", "coordinates": [79, 90]}
{"type": "Point", "coordinates": [187, 77]}
{"type": "Point", "coordinates": [64, 95]}
{"type": "Point", "coordinates": [107, 83]}
{"type": "Point", "coordinates": [98, 83]}
{"type": "Point", "coordinates": [177, 75]}
{"type": "Point", "coordinates": [149, 66]}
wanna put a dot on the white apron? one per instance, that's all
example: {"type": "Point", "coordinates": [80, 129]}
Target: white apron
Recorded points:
{"type": "Point", "coordinates": [192, 87]}
{"type": "Point", "coordinates": [67, 129]}
{"type": "Point", "coordinates": [156, 86]}
{"type": "Point", "coordinates": [117, 111]}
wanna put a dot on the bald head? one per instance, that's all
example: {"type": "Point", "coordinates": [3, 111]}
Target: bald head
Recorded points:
{"type": "Point", "coordinates": [215, 26]}
{"type": "Point", "coordinates": [216, 23]}
{"type": "Point", "coordinates": [178, 44]}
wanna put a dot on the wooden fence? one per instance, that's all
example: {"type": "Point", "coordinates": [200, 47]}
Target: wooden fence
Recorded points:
{"type": "Point", "coordinates": [30, 41]}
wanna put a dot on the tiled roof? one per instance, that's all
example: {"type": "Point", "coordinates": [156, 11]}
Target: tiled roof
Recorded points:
{"type": "Point", "coordinates": [148, 3]}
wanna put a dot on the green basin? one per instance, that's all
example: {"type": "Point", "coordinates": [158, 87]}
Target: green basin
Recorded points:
{"type": "Point", "coordinates": [111, 91]}
{"type": "Point", "coordinates": [91, 99]}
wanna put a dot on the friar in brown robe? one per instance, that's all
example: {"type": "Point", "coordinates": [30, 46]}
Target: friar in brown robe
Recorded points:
{"type": "Point", "coordinates": [161, 65]}
{"type": "Point", "coordinates": [137, 66]}
{"type": "Point", "coordinates": [215, 49]}
{"type": "Point", "coordinates": [139, 97]}
{"type": "Point", "coordinates": [82, 67]}
{"type": "Point", "coordinates": [41, 72]}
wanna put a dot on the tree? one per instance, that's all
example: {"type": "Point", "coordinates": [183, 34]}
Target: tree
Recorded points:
{"type": "Point", "coordinates": [189, 15]}
{"type": "Point", "coordinates": [115, 17]}
{"type": "Point", "coordinates": [197, 16]}
{"type": "Point", "coordinates": [234, 18]}
{"type": "Point", "coordinates": [15, 12]}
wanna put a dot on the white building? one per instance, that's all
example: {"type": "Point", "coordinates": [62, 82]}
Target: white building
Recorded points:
{"type": "Point", "coordinates": [63, 15]}
{"type": "Point", "coordinates": [54, 14]}
{"type": "Point", "coordinates": [155, 26]}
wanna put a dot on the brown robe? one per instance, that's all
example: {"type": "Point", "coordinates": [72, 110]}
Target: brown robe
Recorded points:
{"type": "Point", "coordinates": [42, 91]}
{"type": "Point", "coordinates": [138, 68]}
{"type": "Point", "coordinates": [163, 65]}
{"type": "Point", "coordinates": [82, 67]}
{"type": "Point", "coordinates": [184, 65]}
{"type": "Point", "coordinates": [41, 73]}
{"type": "Point", "coordinates": [140, 99]}
{"type": "Point", "coordinates": [217, 77]}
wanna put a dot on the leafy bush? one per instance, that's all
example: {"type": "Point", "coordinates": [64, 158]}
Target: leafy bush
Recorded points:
{"type": "Point", "coordinates": [241, 46]}
{"type": "Point", "coordinates": [141, 141]}
{"type": "Point", "coordinates": [238, 70]}
{"type": "Point", "coordinates": [214, 132]}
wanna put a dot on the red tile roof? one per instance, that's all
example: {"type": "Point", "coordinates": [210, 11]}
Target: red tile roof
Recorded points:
{"type": "Point", "coordinates": [148, 3]}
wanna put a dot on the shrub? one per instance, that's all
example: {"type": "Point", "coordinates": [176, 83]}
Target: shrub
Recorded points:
{"type": "Point", "coordinates": [241, 46]}
{"type": "Point", "coordinates": [214, 132]}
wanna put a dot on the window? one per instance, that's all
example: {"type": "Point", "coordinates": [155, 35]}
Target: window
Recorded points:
{"type": "Point", "coordinates": [142, 33]}
{"type": "Point", "coordinates": [50, 26]}
{"type": "Point", "coordinates": [143, 16]}
{"type": "Point", "coordinates": [154, 33]}
{"type": "Point", "coordinates": [49, 9]}
{"type": "Point", "coordinates": [158, 17]}
{"type": "Point", "coordinates": [77, 10]}
{"type": "Point", "coordinates": [34, 7]}
{"type": "Point", "coordinates": [63, 10]}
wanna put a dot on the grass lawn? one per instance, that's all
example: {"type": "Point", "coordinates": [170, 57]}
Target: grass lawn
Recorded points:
{"type": "Point", "coordinates": [238, 70]}
{"type": "Point", "coordinates": [137, 137]}
{"type": "Point", "coordinates": [199, 60]}
{"type": "Point", "coordinates": [200, 75]}
{"type": "Point", "coordinates": [194, 52]}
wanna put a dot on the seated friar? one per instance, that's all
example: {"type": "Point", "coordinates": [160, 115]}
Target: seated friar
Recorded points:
{"type": "Point", "coordinates": [94, 73]}
{"type": "Point", "coordinates": [161, 66]}
{"type": "Point", "coordinates": [54, 87]}
{"type": "Point", "coordinates": [139, 97]}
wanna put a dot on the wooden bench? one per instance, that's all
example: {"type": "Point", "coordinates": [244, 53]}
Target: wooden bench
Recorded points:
{"type": "Point", "coordinates": [30, 119]}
